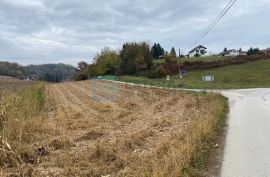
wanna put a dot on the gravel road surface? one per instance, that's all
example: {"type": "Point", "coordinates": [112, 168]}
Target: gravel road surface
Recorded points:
{"type": "Point", "coordinates": [247, 150]}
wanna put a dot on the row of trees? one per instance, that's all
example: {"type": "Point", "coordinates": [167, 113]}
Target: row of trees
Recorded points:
{"type": "Point", "coordinates": [133, 58]}
{"type": "Point", "coordinates": [11, 69]}
{"type": "Point", "coordinates": [159, 53]}
{"type": "Point", "coordinates": [253, 51]}
{"type": "Point", "coordinates": [50, 72]}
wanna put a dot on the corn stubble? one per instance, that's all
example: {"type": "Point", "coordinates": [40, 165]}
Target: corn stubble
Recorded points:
{"type": "Point", "coordinates": [149, 133]}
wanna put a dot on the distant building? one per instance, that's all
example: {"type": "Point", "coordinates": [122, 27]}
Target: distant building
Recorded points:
{"type": "Point", "coordinates": [265, 51]}
{"type": "Point", "coordinates": [197, 51]}
{"type": "Point", "coordinates": [243, 53]}
{"type": "Point", "coordinates": [232, 53]}
{"type": "Point", "coordinates": [30, 78]}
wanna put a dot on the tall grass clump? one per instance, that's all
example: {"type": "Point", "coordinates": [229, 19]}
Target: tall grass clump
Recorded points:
{"type": "Point", "coordinates": [20, 125]}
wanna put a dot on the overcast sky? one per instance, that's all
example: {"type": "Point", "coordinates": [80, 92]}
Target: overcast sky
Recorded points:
{"type": "Point", "coordinates": [53, 31]}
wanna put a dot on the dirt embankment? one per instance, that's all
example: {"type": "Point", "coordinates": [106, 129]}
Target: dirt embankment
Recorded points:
{"type": "Point", "coordinates": [198, 65]}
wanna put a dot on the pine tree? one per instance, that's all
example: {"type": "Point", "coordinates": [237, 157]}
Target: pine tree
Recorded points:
{"type": "Point", "coordinates": [250, 51]}
{"type": "Point", "coordinates": [173, 53]}
{"type": "Point", "coordinates": [159, 50]}
{"type": "Point", "coordinates": [240, 50]}
{"type": "Point", "coordinates": [225, 50]}
{"type": "Point", "coordinates": [154, 51]}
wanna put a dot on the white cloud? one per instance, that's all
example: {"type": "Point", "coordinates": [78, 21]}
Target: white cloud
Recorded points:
{"type": "Point", "coordinates": [24, 3]}
{"type": "Point", "coordinates": [40, 31]}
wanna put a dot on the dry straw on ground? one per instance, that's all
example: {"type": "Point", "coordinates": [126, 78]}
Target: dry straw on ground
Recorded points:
{"type": "Point", "coordinates": [146, 133]}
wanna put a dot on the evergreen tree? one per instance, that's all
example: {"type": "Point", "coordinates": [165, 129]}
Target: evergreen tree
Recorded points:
{"type": "Point", "coordinates": [250, 51]}
{"type": "Point", "coordinates": [157, 51]}
{"type": "Point", "coordinates": [253, 51]}
{"type": "Point", "coordinates": [173, 53]}
{"type": "Point", "coordinates": [154, 51]}
{"type": "Point", "coordinates": [240, 50]}
{"type": "Point", "coordinates": [225, 50]}
{"type": "Point", "coordinates": [256, 51]}
{"type": "Point", "coordinates": [162, 52]}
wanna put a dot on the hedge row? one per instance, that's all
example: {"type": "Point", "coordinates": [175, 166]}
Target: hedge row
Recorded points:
{"type": "Point", "coordinates": [197, 65]}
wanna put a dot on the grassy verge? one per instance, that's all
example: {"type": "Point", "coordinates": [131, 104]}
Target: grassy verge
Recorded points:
{"type": "Point", "coordinates": [249, 75]}
{"type": "Point", "coordinates": [20, 127]}
{"type": "Point", "coordinates": [203, 135]}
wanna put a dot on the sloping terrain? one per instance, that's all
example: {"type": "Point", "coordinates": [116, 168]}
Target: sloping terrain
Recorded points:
{"type": "Point", "coordinates": [254, 74]}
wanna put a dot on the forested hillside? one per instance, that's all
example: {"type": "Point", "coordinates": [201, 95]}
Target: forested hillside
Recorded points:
{"type": "Point", "coordinates": [11, 69]}
{"type": "Point", "coordinates": [45, 72]}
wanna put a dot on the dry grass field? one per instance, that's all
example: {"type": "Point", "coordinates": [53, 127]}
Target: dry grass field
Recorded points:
{"type": "Point", "coordinates": [146, 132]}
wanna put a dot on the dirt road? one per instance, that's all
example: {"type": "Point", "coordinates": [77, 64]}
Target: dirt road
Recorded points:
{"type": "Point", "coordinates": [247, 151]}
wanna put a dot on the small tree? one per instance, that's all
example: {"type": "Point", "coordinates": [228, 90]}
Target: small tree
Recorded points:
{"type": "Point", "coordinates": [170, 59]}
{"type": "Point", "coordinates": [82, 71]}
{"type": "Point", "coordinates": [240, 50]}
{"type": "Point", "coordinates": [135, 57]}
{"type": "Point", "coordinates": [154, 51]}
{"type": "Point", "coordinates": [157, 51]}
{"type": "Point", "coordinates": [83, 66]}
{"type": "Point", "coordinates": [173, 53]}
{"type": "Point", "coordinates": [225, 50]}
{"type": "Point", "coordinates": [106, 62]}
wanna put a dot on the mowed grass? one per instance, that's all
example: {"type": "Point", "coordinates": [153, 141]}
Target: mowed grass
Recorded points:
{"type": "Point", "coordinates": [205, 59]}
{"type": "Point", "coordinates": [249, 75]}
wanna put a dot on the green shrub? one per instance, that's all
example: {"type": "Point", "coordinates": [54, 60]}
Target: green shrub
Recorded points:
{"type": "Point", "coordinates": [82, 75]}
{"type": "Point", "coordinates": [156, 72]}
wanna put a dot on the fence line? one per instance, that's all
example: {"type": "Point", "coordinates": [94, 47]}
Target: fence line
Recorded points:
{"type": "Point", "coordinates": [113, 91]}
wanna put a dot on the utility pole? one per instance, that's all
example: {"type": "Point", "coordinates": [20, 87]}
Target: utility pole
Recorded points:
{"type": "Point", "coordinates": [180, 74]}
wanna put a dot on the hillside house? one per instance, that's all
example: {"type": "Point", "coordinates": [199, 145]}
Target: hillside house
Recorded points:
{"type": "Point", "coordinates": [265, 51]}
{"type": "Point", "coordinates": [232, 53]}
{"type": "Point", "coordinates": [197, 51]}
{"type": "Point", "coordinates": [30, 78]}
{"type": "Point", "coordinates": [243, 53]}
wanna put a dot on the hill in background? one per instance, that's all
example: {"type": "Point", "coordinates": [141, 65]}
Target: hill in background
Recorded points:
{"type": "Point", "coordinates": [45, 72]}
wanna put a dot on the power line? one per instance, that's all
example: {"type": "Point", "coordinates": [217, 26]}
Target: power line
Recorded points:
{"type": "Point", "coordinates": [219, 17]}
{"type": "Point", "coordinates": [214, 22]}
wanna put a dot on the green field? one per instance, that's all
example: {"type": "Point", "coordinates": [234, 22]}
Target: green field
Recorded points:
{"type": "Point", "coordinates": [206, 59]}
{"type": "Point", "coordinates": [249, 75]}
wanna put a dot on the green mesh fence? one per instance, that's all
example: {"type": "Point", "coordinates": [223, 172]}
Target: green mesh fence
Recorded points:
{"type": "Point", "coordinates": [108, 77]}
